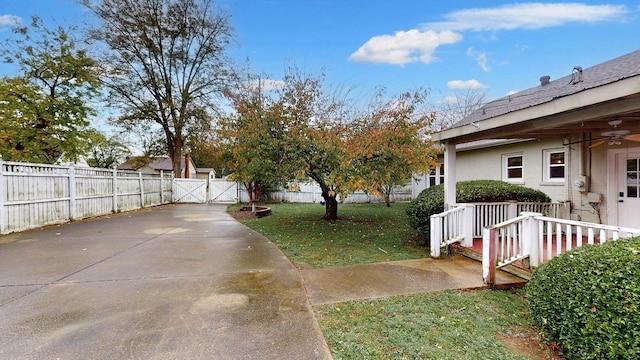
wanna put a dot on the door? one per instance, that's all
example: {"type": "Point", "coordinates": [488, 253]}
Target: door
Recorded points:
{"type": "Point", "coordinates": [628, 189]}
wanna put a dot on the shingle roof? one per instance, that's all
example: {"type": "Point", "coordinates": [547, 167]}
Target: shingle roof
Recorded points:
{"type": "Point", "coordinates": [163, 163]}
{"type": "Point", "coordinates": [607, 72]}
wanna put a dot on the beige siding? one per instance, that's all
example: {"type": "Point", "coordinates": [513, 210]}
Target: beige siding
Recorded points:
{"type": "Point", "coordinates": [487, 164]}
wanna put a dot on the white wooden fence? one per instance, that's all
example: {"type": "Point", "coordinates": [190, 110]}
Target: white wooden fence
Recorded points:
{"type": "Point", "coordinates": [35, 195]}
{"type": "Point", "coordinates": [310, 192]}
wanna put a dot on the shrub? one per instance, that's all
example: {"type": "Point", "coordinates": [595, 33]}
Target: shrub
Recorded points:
{"type": "Point", "coordinates": [431, 200]}
{"type": "Point", "coordinates": [588, 300]}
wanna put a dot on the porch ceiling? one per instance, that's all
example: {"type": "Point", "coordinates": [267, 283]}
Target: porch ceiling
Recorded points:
{"type": "Point", "coordinates": [592, 119]}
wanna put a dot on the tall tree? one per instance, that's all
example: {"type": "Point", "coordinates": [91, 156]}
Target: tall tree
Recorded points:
{"type": "Point", "coordinates": [252, 137]}
{"type": "Point", "coordinates": [458, 106]}
{"type": "Point", "coordinates": [314, 119]}
{"type": "Point", "coordinates": [45, 113]}
{"type": "Point", "coordinates": [389, 143]}
{"type": "Point", "coordinates": [166, 63]}
{"type": "Point", "coordinates": [106, 151]}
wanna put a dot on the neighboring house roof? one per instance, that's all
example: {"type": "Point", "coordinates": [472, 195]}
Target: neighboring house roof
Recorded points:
{"type": "Point", "coordinates": [165, 164]}
{"type": "Point", "coordinates": [605, 73]}
{"type": "Point", "coordinates": [134, 163]}
{"type": "Point", "coordinates": [137, 162]}
{"type": "Point", "coordinates": [204, 170]}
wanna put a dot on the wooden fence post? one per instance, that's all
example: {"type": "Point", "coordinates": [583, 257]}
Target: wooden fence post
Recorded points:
{"type": "Point", "coordinates": [161, 187]}
{"type": "Point", "coordinates": [2, 195]}
{"type": "Point", "coordinates": [115, 190]}
{"type": "Point", "coordinates": [141, 189]}
{"type": "Point", "coordinates": [72, 193]}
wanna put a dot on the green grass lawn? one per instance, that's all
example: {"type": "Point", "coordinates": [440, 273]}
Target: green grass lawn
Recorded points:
{"type": "Point", "coordinates": [481, 324]}
{"type": "Point", "coordinates": [365, 233]}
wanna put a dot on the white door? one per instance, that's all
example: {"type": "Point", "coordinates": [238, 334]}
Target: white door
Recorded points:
{"type": "Point", "coordinates": [628, 189]}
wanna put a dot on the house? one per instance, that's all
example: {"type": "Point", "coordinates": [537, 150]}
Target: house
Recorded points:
{"type": "Point", "coordinates": [155, 165]}
{"type": "Point", "coordinates": [576, 138]}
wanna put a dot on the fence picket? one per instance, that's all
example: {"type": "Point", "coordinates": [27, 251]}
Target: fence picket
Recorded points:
{"type": "Point", "coordinates": [34, 195]}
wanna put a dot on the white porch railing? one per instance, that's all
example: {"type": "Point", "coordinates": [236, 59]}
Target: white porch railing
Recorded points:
{"type": "Point", "coordinates": [466, 221]}
{"type": "Point", "coordinates": [455, 225]}
{"type": "Point", "coordinates": [540, 238]}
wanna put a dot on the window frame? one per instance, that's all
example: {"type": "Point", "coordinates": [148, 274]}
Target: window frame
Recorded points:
{"type": "Point", "coordinates": [546, 156]}
{"type": "Point", "coordinates": [506, 168]}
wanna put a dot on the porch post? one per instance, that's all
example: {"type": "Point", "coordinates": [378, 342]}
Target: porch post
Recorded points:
{"type": "Point", "coordinates": [530, 238]}
{"type": "Point", "coordinates": [449, 175]}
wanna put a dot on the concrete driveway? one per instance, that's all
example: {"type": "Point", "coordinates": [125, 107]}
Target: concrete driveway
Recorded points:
{"type": "Point", "coordinates": [174, 282]}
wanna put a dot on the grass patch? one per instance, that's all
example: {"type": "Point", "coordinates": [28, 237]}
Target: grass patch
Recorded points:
{"type": "Point", "coordinates": [448, 324]}
{"type": "Point", "coordinates": [365, 233]}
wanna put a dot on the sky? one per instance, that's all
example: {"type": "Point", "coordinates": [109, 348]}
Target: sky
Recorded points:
{"type": "Point", "coordinates": [498, 47]}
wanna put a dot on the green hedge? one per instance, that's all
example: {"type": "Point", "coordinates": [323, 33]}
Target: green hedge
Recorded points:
{"type": "Point", "coordinates": [588, 300]}
{"type": "Point", "coordinates": [431, 200]}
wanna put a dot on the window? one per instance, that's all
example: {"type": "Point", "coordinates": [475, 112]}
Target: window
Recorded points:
{"type": "Point", "coordinates": [555, 165]}
{"type": "Point", "coordinates": [512, 166]}
{"type": "Point", "coordinates": [437, 176]}
{"type": "Point", "coordinates": [633, 172]}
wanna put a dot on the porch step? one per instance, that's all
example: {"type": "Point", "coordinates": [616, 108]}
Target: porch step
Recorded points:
{"type": "Point", "coordinates": [470, 253]}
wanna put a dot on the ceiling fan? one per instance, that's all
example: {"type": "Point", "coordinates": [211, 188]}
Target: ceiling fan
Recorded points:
{"type": "Point", "coordinates": [615, 136]}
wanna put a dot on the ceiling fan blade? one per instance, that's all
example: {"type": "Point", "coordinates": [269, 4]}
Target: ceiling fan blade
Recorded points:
{"type": "Point", "coordinates": [597, 143]}
{"type": "Point", "coordinates": [633, 137]}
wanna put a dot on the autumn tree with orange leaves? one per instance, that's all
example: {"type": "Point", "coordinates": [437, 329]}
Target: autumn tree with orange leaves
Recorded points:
{"type": "Point", "coordinates": [303, 130]}
{"type": "Point", "coordinates": [250, 140]}
{"type": "Point", "coordinates": [389, 144]}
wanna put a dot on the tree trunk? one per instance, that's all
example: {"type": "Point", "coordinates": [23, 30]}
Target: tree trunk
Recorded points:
{"type": "Point", "coordinates": [254, 188]}
{"type": "Point", "coordinates": [387, 200]}
{"type": "Point", "coordinates": [331, 204]}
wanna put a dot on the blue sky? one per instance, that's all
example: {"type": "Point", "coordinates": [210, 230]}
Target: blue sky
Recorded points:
{"type": "Point", "coordinates": [446, 46]}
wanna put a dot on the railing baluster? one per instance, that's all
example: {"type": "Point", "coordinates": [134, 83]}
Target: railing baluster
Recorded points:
{"type": "Point", "coordinates": [549, 241]}
{"type": "Point", "coordinates": [590, 236]}
{"type": "Point", "coordinates": [578, 236]}
{"type": "Point", "coordinates": [569, 237]}
{"type": "Point", "coordinates": [558, 239]}
{"type": "Point", "coordinates": [603, 236]}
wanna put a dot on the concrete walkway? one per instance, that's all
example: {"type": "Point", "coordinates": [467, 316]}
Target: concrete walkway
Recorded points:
{"type": "Point", "coordinates": [175, 282]}
{"type": "Point", "coordinates": [357, 282]}
{"type": "Point", "coordinates": [181, 282]}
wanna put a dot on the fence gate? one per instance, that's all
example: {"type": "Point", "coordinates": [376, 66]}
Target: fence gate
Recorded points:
{"type": "Point", "coordinates": [222, 191]}
{"type": "Point", "coordinates": [190, 191]}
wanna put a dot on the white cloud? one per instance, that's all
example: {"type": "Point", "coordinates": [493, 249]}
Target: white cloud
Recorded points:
{"type": "Point", "coordinates": [466, 84]}
{"type": "Point", "coordinates": [9, 19]}
{"type": "Point", "coordinates": [450, 100]}
{"type": "Point", "coordinates": [420, 44]}
{"type": "Point", "coordinates": [265, 84]}
{"type": "Point", "coordinates": [269, 84]}
{"type": "Point", "coordinates": [481, 58]}
{"type": "Point", "coordinates": [527, 16]}
{"type": "Point", "coordinates": [404, 47]}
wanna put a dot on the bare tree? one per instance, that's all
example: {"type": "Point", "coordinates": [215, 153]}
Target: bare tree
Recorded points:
{"type": "Point", "coordinates": [166, 63]}
{"type": "Point", "coordinates": [458, 106]}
